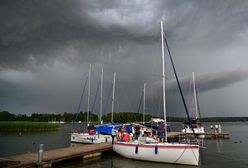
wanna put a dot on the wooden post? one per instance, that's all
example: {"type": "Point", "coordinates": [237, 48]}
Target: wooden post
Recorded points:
{"type": "Point", "coordinates": [40, 154]}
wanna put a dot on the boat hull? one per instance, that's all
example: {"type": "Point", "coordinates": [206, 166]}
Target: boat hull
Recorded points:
{"type": "Point", "coordinates": [161, 152]}
{"type": "Point", "coordinates": [89, 139]}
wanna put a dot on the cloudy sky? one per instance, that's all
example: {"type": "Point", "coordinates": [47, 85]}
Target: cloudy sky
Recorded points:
{"type": "Point", "coordinates": [46, 48]}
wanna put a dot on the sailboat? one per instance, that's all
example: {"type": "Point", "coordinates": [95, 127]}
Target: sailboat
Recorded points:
{"type": "Point", "coordinates": [77, 136]}
{"type": "Point", "coordinates": [197, 126]}
{"type": "Point", "coordinates": [102, 132]}
{"type": "Point", "coordinates": [176, 153]}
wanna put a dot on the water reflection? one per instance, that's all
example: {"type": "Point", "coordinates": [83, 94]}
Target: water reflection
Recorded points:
{"type": "Point", "coordinates": [120, 162]}
{"type": "Point", "coordinates": [115, 161]}
{"type": "Point", "coordinates": [219, 146]}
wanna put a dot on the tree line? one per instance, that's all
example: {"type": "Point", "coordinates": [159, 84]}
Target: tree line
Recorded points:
{"type": "Point", "coordinates": [223, 119]}
{"type": "Point", "coordinates": [45, 117]}
{"type": "Point", "coordinates": [120, 117]}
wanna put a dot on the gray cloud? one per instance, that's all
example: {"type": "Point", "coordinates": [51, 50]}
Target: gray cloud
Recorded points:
{"type": "Point", "coordinates": [43, 28]}
{"type": "Point", "coordinates": [209, 81]}
{"type": "Point", "coordinates": [46, 47]}
{"type": "Point", "coordinates": [204, 83]}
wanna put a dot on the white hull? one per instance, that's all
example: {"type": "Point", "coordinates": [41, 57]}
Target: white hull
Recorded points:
{"type": "Point", "coordinates": [87, 138]}
{"type": "Point", "coordinates": [165, 152]}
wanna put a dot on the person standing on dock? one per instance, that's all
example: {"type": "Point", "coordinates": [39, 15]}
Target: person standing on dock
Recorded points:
{"type": "Point", "coordinates": [216, 128]}
{"type": "Point", "coordinates": [211, 128]}
{"type": "Point", "coordinates": [219, 128]}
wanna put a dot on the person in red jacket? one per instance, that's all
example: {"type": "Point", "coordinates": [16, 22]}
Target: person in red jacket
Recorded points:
{"type": "Point", "coordinates": [126, 137]}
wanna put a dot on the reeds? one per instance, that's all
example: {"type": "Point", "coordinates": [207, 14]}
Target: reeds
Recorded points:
{"type": "Point", "coordinates": [19, 126]}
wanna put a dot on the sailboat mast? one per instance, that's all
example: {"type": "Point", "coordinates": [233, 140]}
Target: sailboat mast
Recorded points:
{"type": "Point", "coordinates": [163, 79]}
{"type": "Point", "coordinates": [88, 109]}
{"type": "Point", "coordinates": [101, 96]}
{"type": "Point", "coordinates": [195, 98]}
{"type": "Point", "coordinates": [144, 102]}
{"type": "Point", "coordinates": [113, 99]}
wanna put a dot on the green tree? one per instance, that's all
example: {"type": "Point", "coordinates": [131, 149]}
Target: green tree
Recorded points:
{"type": "Point", "coordinates": [6, 116]}
{"type": "Point", "coordinates": [21, 117]}
{"type": "Point", "coordinates": [68, 117]}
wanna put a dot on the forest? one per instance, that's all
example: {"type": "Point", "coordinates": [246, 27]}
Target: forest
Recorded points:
{"type": "Point", "coordinates": [119, 117]}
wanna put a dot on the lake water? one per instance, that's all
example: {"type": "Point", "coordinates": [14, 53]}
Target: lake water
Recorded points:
{"type": "Point", "coordinates": [228, 153]}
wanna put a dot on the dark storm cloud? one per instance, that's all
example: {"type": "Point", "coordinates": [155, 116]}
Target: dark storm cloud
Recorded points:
{"type": "Point", "coordinates": [36, 30]}
{"type": "Point", "coordinates": [46, 47]}
{"type": "Point", "coordinates": [209, 81]}
{"type": "Point", "coordinates": [40, 30]}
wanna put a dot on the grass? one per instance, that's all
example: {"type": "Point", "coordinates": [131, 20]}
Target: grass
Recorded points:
{"type": "Point", "coordinates": [16, 126]}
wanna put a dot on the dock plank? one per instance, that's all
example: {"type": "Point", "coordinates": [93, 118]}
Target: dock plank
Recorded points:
{"type": "Point", "coordinates": [208, 135]}
{"type": "Point", "coordinates": [56, 155]}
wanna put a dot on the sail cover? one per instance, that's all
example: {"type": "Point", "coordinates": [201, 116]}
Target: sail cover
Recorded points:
{"type": "Point", "coordinates": [107, 129]}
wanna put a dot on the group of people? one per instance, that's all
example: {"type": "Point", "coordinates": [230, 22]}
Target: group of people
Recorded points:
{"type": "Point", "coordinates": [121, 134]}
{"type": "Point", "coordinates": [215, 128]}
{"type": "Point", "coordinates": [137, 132]}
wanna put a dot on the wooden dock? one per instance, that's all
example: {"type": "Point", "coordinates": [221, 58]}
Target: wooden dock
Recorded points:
{"type": "Point", "coordinates": [207, 135]}
{"type": "Point", "coordinates": [56, 155]}
{"type": "Point", "coordinates": [81, 151]}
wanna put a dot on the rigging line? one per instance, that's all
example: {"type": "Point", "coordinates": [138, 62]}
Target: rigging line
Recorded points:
{"type": "Point", "coordinates": [108, 98]}
{"type": "Point", "coordinates": [179, 86]}
{"type": "Point", "coordinates": [95, 98]}
{"type": "Point", "coordinates": [194, 154]}
{"type": "Point", "coordinates": [140, 102]}
{"type": "Point", "coordinates": [180, 155]}
{"type": "Point", "coordinates": [198, 105]}
{"type": "Point", "coordinates": [191, 97]}
{"type": "Point", "coordinates": [81, 100]}
{"type": "Point", "coordinates": [184, 152]}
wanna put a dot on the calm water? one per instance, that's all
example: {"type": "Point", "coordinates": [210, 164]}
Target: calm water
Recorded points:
{"type": "Point", "coordinates": [229, 153]}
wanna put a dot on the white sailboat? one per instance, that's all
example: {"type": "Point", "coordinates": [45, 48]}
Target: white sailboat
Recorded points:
{"type": "Point", "coordinates": [175, 153]}
{"type": "Point", "coordinates": [87, 138]}
{"type": "Point", "coordinates": [95, 136]}
{"type": "Point", "coordinates": [79, 137]}
{"type": "Point", "coordinates": [198, 127]}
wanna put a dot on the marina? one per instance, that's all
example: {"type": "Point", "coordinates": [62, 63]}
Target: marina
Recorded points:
{"type": "Point", "coordinates": [123, 84]}
{"type": "Point", "coordinates": [216, 152]}
{"type": "Point", "coordinates": [89, 151]}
